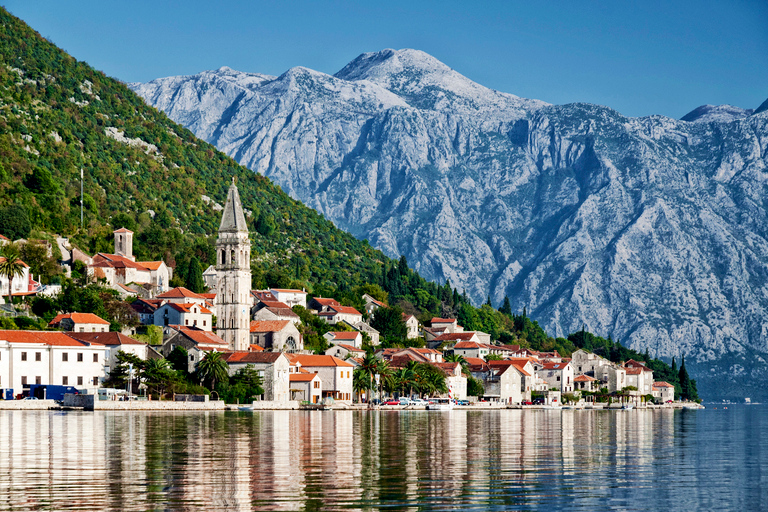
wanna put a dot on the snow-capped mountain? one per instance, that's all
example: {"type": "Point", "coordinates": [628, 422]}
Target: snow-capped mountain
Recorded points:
{"type": "Point", "coordinates": [651, 230]}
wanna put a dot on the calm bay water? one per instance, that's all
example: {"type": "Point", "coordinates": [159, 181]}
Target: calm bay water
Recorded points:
{"type": "Point", "coordinates": [412, 460]}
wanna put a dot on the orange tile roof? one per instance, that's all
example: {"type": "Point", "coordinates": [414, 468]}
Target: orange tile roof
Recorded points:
{"type": "Point", "coordinates": [208, 296]}
{"type": "Point", "coordinates": [255, 348]}
{"type": "Point", "coordinates": [506, 363]}
{"type": "Point", "coordinates": [315, 360]}
{"type": "Point", "coordinates": [662, 384]}
{"type": "Point", "coordinates": [201, 337]}
{"type": "Point", "coordinates": [151, 265]}
{"type": "Point", "coordinates": [78, 318]}
{"type": "Point", "coordinates": [251, 357]}
{"type": "Point", "coordinates": [116, 261]}
{"type": "Point", "coordinates": [179, 292]}
{"type": "Point", "coordinates": [122, 230]}
{"type": "Point", "coordinates": [457, 336]}
{"type": "Point", "coordinates": [287, 290]}
{"type": "Point", "coordinates": [2, 259]}
{"type": "Point", "coordinates": [302, 377]}
{"type": "Point", "coordinates": [554, 366]}
{"type": "Point", "coordinates": [345, 335]}
{"type": "Point", "coordinates": [346, 310]}
{"type": "Point", "coordinates": [53, 338]}
{"type": "Point", "coordinates": [326, 301]}
{"type": "Point", "coordinates": [4, 238]}
{"type": "Point", "coordinates": [268, 325]}
{"type": "Point", "coordinates": [186, 307]}
{"type": "Point", "coordinates": [350, 348]}
{"type": "Point", "coordinates": [104, 338]}
{"type": "Point", "coordinates": [584, 378]}
{"type": "Point", "coordinates": [474, 361]}
{"type": "Point", "coordinates": [462, 344]}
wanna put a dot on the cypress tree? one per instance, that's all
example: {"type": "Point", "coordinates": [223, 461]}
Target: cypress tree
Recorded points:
{"type": "Point", "coordinates": [194, 277]}
{"type": "Point", "coordinates": [506, 307]}
{"type": "Point", "coordinates": [488, 301]}
{"type": "Point", "coordinates": [685, 384]}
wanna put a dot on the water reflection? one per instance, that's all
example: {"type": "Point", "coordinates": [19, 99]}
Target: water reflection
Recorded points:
{"type": "Point", "coordinates": [410, 460]}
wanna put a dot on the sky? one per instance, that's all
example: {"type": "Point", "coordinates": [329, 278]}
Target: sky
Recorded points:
{"type": "Point", "coordinates": [640, 58]}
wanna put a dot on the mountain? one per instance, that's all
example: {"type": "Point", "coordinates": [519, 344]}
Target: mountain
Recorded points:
{"type": "Point", "coordinates": [651, 230]}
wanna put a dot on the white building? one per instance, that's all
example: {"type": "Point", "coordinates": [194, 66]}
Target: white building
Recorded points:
{"type": "Point", "coordinates": [306, 386]}
{"type": "Point", "coordinates": [342, 350]}
{"type": "Point", "coordinates": [276, 335]}
{"type": "Point", "coordinates": [113, 342]}
{"type": "Point", "coordinates": [353, 338]}
{"type": "Point", "coordinates": [335, 374]}
{"type": "Point", "coordinates": [273, 368]}
{"type": "Point", "coordinates": [20, 283]}
{"type": "Point", "coordinates": [663, 392]}
{"type": "Point", "coordinates": [188, 315]}
{"type": "Point", "coordinates": [290, 297]}
{"type": "Point", "coordinates": [412, 326]}
{"type": "Point", "coordinates": [79, 322]}
{"type": "Point", "coordinates": [336, 314]}
{"type": "Point", "coordinates": [48, 357]}
{"type": "Point", "coordinates": [556, 375]}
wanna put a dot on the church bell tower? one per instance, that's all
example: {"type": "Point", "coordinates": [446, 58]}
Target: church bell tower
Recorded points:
{"type": "Point", "coordinates": [233, 266]}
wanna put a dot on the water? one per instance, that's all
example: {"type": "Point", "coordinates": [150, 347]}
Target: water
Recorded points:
{"type": "Point", "coordinates": [413, 460]}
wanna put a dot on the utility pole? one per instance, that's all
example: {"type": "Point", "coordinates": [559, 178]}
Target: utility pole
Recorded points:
{"type": "Point", "coordinates": [81, 198]}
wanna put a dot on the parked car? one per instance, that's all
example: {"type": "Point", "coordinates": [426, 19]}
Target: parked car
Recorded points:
{"type": "Point", "coordinates": [419, 401]}
{"type": "Point", "coordinates": [462, 402]}
{"type": "Point", "coordinates": [527, 402]}
{"type": "Point", "coordinates": [30, 398]}
{"type": "Point", "coordinates": [538, 401]}
{"type": "Point", "coordinates": [392, 402]}
{"type": "Point", "coordinates": [405, 401]}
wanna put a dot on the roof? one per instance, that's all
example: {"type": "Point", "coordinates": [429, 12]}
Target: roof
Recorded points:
{"type": "Point", "coordinates": [442, 320]}
{"type": "Point", "coordinates": [146, 306]}
{"type": "Point", "coordinates": [200, 337]}
{"type": "Point", "coordinates": [287, 290]}
{"type": "Point", "coordinates": [325, 301]}
{"type": "Point", "coordinates": [475, 361]}
{"type": "Point", "coordinates": [104, 338]}
{"type": "Point", "coordinates": [151, 265]}
{"type": "Point", "coordinates": [584, 378]}
{"type": "Point", "coordinates": [633, 371]}
{"type": "Point", "coordinates": [345, 335]}
{"type": "Point", "coordinates": [122, 230]}
{"type": "Point", "coordinates": [458, 336]}
{"type": "Point", "coordinates": [255, 348]}
{"type": "Point", "coordinates": [52, 338]}
{"type": "Point", "coordinates": [554, 366]}
{"type": "Point", "coordinates": [637, 364]}
{"type": "Point", "coordinates": [251, 357]}
{"type": "Point", "coordinates": [518, 364]}
{"type": "Point", "coordinates": [462, 344]}
{"type": "Point", "coordinates": [662, 384]}
{"type": "Point", "coordinates": [232, 219]}
{"type": "Point", "coordinates": [125, 288]}
{"type": "Point", "coordinates": [186, 307]}
{"type": "Point", "coordinates": [268, 325]}
{"type": "Point", "coordinates": [315, 360]}
{"type": "Point", "coordinates": [4, 238]}
{"type": "Point", "coordinates": [302, 377]}
{"type": "Point", "coordinates": [115, 261]}
{"type": "Point", "coordinates": [2, 259]}
{"type": "Point", "coordinates": [178, 293]}
{"type": "Point", "coordinates": [208, 296]}
{"type": "Point", "coordinates": [446, 366]}
{"type": "Point", "coordinates": [78, 318]}
{"type": "Point", "coordinates": [344, 310]}
{"type": "Point", "coordinates": [407, 317]}
{"type": "Point", "coordinates": [274, 304]}
{"type": "Point", "coordinates": [350, 348]}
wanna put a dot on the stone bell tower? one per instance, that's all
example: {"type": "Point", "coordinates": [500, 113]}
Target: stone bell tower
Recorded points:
{"type": "Point", "coordinates": [233, 266]}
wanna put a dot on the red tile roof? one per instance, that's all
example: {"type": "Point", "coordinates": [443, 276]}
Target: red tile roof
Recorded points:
{"type": "Point", "coordinates": [201, 337]}
{"type": "Point", "coordinates": [554, 366]}
{"type": "Point", "coordinates": [115, 261]}
{"type": "Point", "coordinates": [287, 290]}
{"type": "Point", "coordinates": [302, 377]}
{"type": "Point", "coordinates": [151, 265]}
{"type": "Point", "coordinates": [662, 384]}
{"type": "Point", "coordinates": [187, 307]}
{"type": "Point", "coordinates": [346, 310]}
{"type": "Point", "coordinates": [351, 348]}
{"type": "Point", "coordinates": [251, 357]}
{"type": "Point", "coordinates": [442, 320]}
{"type": "Point", "coordinates": [518, 364]}
{"type": "Point", "coordinates": [255, 348]}
{"type": "Point", "coordinates": [584, 378]}
{"type": "Point", "coordinates": [268, 325]}
{"type": "Point", "coordinates": [4, 238]}
{"type": "Point", "coordinates": [78, 318]}
{"type": "Point", "coordinates": [178, 293]}
{"type": "Point", "coordinates": [122, 230]}
{"type": "Point", "coordinates": [2, 259]}
{"type": "Point", "coordinates": [53, 338]}
{"type": "Point", "coordinates": [463, 345]}
{"type": "Point", "coordinates": [315, 361]}
{"type": "Point", "coordinates": [636, 364]}
{"type": "Point", "coordinates": [326, 301]}
{"type": "Point", "coordinates": [104, 338]}
{"type": "Point", "coordinates": [345, 335]}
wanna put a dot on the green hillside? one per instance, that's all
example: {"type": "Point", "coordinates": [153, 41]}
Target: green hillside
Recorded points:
{"type": "Point", "coordinates": [54, 117]}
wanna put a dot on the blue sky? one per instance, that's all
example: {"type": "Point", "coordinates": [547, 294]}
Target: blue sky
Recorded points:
{"type": "Point", "coordinates": [641, 58]}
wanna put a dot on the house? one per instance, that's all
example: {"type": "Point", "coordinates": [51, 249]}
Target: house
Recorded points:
{"type": "Point", "coordinates": [274, 310]}
{"type": "Point", "coordinates": [159, 274]}
{"type": "Point", "coordinates": [210, 278]}
{"type": "Point", "coordinates": [344, 351]}
{"type": "Point", "coordinates": [321, 304]}
{"type": "Point", "coordinates": [400, 357]}
{"type": "Point", "coordinates": [276, 335]}
{"type": "Point", "coordinates": [260, 295]}
{"type": "Point", "coordinates": [336, 314]}
{"type": "Point", "coordinates": [663, 392]}
{"type": "Point", "coordinates": [556, 375]}
{"type": "Point", "coordinates": [79, 322]}
{"type": "Point", "coordinates": [20, 283]}
{"type": "Point", "coordinates": [48, 357]}
{"type": "Point", "coordinates": [412, 326]}
{"type": "Point", "coordinates": [504, 381]}
{"type": "Point", "coordinates": [363, 327]}
{"type": "Point", "coordinates": [608, 374]}
{"type": "Point", "coordinates": [585, 383]}
{"type": "Point", "coordinates": [371, 305]}
{"type": "Point", "coordinates": [449, 325]}
{"type": "Point", "coordinates": [335, 374]}
{"type": "Point", "coordinates": [196, 342]}
{"type": "Point", "coordinates": [290, 297]}
{"type": "Point", "coordinates": [639, 376]}
{"type": "Point", "coordinates": [306, 387]}
{"type": "Point", "coordinates": [466, 345]}
{"type": "Point", "coordinates": [189, 314]}
{"type": "Point", "coordinates": [181, 295]}
{"type": "Point", "coordinates": [114, 342]}
{"type": "Point", "coordinates": [146, 308]}
{"type": "Point", "coordinates": [455, 380]}
{"type": "Point", "coordinates": [353, 338]}
{"type": "Point", "coordinates": [272, 367]}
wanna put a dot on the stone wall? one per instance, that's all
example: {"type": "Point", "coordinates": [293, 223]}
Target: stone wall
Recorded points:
{"type": "Point", "coordinates": [15, 405]}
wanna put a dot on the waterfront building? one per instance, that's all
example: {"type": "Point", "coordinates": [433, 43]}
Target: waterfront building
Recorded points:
{"type": "Point", "coordinates": [275, 336]}
{"type": "Point", "coordinates": [335, 374]}
{"type": "Point", "coordinates": [79, 322]}
{"type": "Point", "coordinates": [233, 267]}
{"type": "Point", "coordinates": [273, 368]}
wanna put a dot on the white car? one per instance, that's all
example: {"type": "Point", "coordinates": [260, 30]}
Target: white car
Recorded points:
{"type": "Point", "coordinates": [419, 401]}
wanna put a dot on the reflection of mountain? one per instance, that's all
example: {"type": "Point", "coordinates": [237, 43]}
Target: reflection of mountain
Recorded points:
{"type": "Point", "coordinates": [650, 229]}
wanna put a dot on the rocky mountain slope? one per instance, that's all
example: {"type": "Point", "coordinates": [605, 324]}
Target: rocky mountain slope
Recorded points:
{"type": "Point", "coordinates": [651, 230]}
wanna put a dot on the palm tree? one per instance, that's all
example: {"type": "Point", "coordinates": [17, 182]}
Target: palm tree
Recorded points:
{"type": "Point", "coordinates": [213, 368]}
{"type": "Point", "coordinates": [367, 369]}
{"type": "Point", "coordinates": [11, 267]}
{"type": "Point", "coordinates": [458, 358]}
{"type": "Point", "coordinates": [157, 374]}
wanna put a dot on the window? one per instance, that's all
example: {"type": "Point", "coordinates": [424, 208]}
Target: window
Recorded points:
{"type": "Point", "coordinates": [38, 380]}
{"type": "Point", "coordinates": [79, 381]}
{"type": "Point", "coordinates": [317, 384]}
{"type": "Point", "coordinates": [95, 358]}
{"type": "Point", "coordinates": [95, 381]}
{"type": "Point", "coordinates": [38, 356]}
{"type": "Point", "coordinates": [203, 323]}
{"type": "Point", "coordinates": [23, 356]}
{"type": "Point", "coordinates": [82, 329]}
{"type": "Point", "coordinates": [65, 356]}
{"type": "Point", "coordinates": [191, 358]}
{"type": "Point", "coordinates": [65, 381]}
{"type": "Point", "coordinates": [79, 357]}
{"type": "Point", "coordinates": [186, 321]}
{"type": "Point", "coordinates": [24, 381]}
{"type": "Point", "coordinates": [558, 378]}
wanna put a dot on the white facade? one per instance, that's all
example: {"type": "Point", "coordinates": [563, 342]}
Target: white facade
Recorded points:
{"type": "Point", "coordinates": [188, 315]}
{"type": "Point", "coordinates": [412, 326]}
{"type": "Point", "coordinates": [36, 357]}
{"type": "Point", "coordinates": [290, 297]}
{"type": "Point", "coordinates": [335, 374]}
{"type": "Point", "coordinates": [20, 283]}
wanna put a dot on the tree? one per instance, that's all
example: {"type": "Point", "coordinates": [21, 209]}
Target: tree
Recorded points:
{"type": "Point", "coordinates": [389, 322]}
{"type": "Point", "coordinates": [242, 387]}
{"type": "Point", "coordinates": [158, 375]}
{"type": "Point", "coordinates": [212, 368]}
{"type": "Point", "coordinates": [474, 387]}
{"type": "Point", "coordinates": [35, 254]}
{"type": "Point", "coordinates": [118, 376]}
{"type": "Point", "coordinates": [506, 307]}
{"type": "Point", "coordinates": [14, 222]}
{"type": "Point", "coordinates": [11, 267]}
{"type": "Point", "coordinates": [178, 358]}
{"type": "Point", "coordinates": [194, 278]}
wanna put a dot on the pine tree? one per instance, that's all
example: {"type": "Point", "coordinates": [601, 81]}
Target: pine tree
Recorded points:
{"type": "Point", "coordinates": [506, 307]}
{"type": "Point", "coordinates": [488, 301]}
{"type": "Point", "coordinates": [674, 365]}
{"type": "Point", "coordinates": [194, 278]}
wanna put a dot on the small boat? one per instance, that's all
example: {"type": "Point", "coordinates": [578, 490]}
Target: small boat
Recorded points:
{"type": "Point", "coordinates": [246, 408]}
{"type": "Point", "coordinates": [440, 404]}
{"type": "Point", "coordinates": [628, 406]}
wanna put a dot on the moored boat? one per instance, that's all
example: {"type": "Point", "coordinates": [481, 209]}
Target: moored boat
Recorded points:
{"type": "Point", "coordinates": [440, 404]}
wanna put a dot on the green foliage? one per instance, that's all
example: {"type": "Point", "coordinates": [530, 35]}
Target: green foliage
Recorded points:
{"type": "Point", "coordinates": [194, 277]}
{"type": "Point", "coordinates": [242, 387]}
{"type": "Point", "coordinates": [11, 268]}
{"type": "Point", "coordinates": [475, 387]}
{"type": "Point", "coordinates": [35, 254]}
{"type": "Point", "coordinates": [179, 359]}
{"type": "Point", "coordinates": [118, 375]}
{"type": "Point", "coordinates": [212, 369]}
{"type": "Point", "coordinates": [389, 322]}
{"type": "Point", "coordinates": [14, 221]}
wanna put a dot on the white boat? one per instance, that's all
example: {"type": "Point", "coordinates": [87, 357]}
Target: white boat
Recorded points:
{"type": "Point", "coordinates": [628, 406]}
{"type": "Point", "coordinates": [440, 404]}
